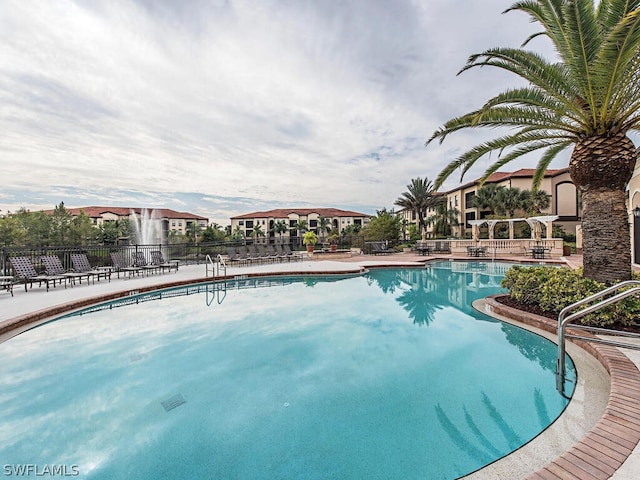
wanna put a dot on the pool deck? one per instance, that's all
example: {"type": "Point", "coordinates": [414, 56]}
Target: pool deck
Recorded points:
{"type": "Point", "coordinates": [609, 449]}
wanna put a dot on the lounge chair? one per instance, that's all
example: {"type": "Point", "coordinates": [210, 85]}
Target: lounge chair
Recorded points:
{"type": "Point", "coordinates": [252, 254]}
{"type": "Point", "coordinates": [120, 265]}
{"type": "Point", "coordinates": [275, 255]}
{"type": "Point", "coordinates": [140, 260]}
{"type": "Point", "coordinates": [6, 283]}
{"type": "Point", "coordinates": [53, 266]}
{"type": "Point", "coordinates": [26, 273]}
{"type": "Point", "coordinates": [379, 248]}
{"type": "Point", "coordinates": [158, 260]}
{"type": "Point", "coordinates": [290, 255]}
{"type": "Point", "coordinates": [232, 255]}
{"type": "Point", "coordinates": [264, 255]}
{"type": "Point", "coordinates": [81, 264]}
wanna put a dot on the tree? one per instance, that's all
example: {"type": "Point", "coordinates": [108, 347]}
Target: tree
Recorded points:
{"type": "Point", "coordinates": [324, 227]}
{"type": "Point", "coordinates": [257, 232]}
{"type": "Point", "coordinates": [588, 98]}
{"type": "Point", "coordinates": [82, 231]}
{"type": "Point", "coordinates": [60, 221]}
{"type": "Point", "coordinates": [486, 198]}
{"type": "Point", "coordinates": [213, 233]}
{"type": "Point", "coordinates": [443, 219]}
{"type": "Point", "coordinates": [535, 202]}
{"type": "Point", "coordinates": [301, 226]}
{"type": "Point", "coordinates": [418, 197]}
{"type": "Point", "coordinates": [280, 227]}
{"type": "Point", "coordinates": [509, 200]}
{"type": "Point", "coordinates": [386, 225]}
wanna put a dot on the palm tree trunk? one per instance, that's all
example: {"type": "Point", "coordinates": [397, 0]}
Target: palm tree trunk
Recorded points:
{"type": "Point", "coordinates": [601, 168]}
{"type": "Point", "coordinates": [606, 243]}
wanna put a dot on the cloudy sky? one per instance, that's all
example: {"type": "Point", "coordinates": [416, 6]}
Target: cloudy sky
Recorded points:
{"type": "Point", "coordinates": [226, 107]}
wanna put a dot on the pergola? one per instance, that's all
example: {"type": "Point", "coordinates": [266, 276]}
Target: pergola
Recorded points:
{"type": "Point", "coordinates": [534, 222]}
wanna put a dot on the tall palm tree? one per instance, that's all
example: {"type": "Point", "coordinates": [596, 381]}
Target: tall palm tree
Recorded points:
{"type": "Point", "coordinates": [418, 197]}
{"type": "Point", "coordinates": [588, 98]}
{"type": "Point", "coordinates": [280, 227]}
{"type": "Point", "coordinates": [324, 227]}
{"type": "Point", "coordinates": [443, 219]}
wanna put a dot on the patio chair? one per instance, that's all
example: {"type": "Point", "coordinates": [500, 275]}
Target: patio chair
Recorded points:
{"type": "Point", "coordinates": [158, 260]}
{"type": "Point", "coordinates": [233, 256]}
{"type": "Point", "coordinates": [275, 255]}
{"type": "Point", "coordinates": [379, 248]}
{"type": "Point", "coordinates": [140, 260]}
{"type": "Point", "coordinates": [81, 264]}
{"type": "Point", "coordinates": [6, 283]}
{"type": "Point", "coordinates": [120, 265]}
{"type": "Point", "coordinates": [53, 266]}
{"type": "Point", "coordinates": [252, 254]}
{"type": "Point", "coordinates": [26, 273]}
{"type": "Point", "coordinates": [290, 255]}
{"type": "Point", "coordinates": [264, 255]}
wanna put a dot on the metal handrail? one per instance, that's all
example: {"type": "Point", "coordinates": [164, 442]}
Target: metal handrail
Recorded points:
{"type": "Point", "coordinates": [209, 261]}
{"type": "Point", "coordinates": [223, 263]}
{"type": "Point", "coordinates": [564, 320]}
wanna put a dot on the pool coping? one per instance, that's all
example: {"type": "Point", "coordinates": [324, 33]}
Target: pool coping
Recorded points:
{"type": "Point", "coordinates": [604, 448]}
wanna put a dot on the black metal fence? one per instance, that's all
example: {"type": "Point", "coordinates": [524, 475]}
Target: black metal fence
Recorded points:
{"type": "Point", "coordinates": [186, 254]}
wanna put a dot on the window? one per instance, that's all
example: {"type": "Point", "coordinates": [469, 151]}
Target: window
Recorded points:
{"type": "Point", "coordinates": [179, 224]}
{"type": "Point", "coordinates": [173, 223]}
{"type": "Point", "coordinates": [313, 223]}
{"type": "Point", "coordinates": [468, 199]}
{"type": "Point", "coordinates": [292, 223]}
{"type": "Point", "coordinates": [357, 221]}
{"type": "Point", "coordinates": [241, 222]}
{"type": "Point", "coordinates": [249, 224]}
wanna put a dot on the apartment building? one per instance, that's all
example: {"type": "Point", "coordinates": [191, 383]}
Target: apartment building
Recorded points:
{"type": "Point", "coordinates": [557, 183]}
{"type": "Point", "coordinates": [338, 220]}
{"type": "Point", "coordinates": [169, 220]}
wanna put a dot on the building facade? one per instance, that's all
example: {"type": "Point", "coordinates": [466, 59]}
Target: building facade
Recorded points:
{"type": "Point", "coordinates": [167, 220]}
{"type": "Point", "coordinates": [565, 202]}
{"type": "Point", "coordinates": [267, 220]}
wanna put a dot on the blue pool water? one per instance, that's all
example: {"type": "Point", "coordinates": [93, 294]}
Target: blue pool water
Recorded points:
{"type": "Point", "coordinates": [390, 375]}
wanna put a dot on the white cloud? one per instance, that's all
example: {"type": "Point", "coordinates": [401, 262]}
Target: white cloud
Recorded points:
{"type": "Point", "coordinates": [278, 103]}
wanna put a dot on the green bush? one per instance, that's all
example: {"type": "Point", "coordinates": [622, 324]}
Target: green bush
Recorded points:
{"type": "Point", "coordinates": [552, 288]}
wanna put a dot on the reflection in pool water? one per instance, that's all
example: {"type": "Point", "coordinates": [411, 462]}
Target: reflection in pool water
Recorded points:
{"type": "Point", "coordinates": [387, 375]}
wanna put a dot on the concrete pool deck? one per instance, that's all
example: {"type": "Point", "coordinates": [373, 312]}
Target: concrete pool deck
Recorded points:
{"type": "Point", "coordinates": [593, 438]}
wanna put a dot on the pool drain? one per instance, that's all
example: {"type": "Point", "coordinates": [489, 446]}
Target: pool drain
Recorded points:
{"type": "Point", "coordinates": [173, 402]}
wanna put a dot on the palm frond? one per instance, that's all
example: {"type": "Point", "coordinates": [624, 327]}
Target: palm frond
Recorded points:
{"type": "Point", "coordinates": [552, 152]}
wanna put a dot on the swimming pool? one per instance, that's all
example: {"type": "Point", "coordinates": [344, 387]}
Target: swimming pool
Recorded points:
{"type": "Point", "coordinates": [387, 375]}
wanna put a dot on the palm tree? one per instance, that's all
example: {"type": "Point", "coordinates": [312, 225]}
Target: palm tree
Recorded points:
{"type": "Point", "coordinates": [443, 219]}
{"type": "Point", "coordinates": [486, 198]}
{"type": "Point", "coordinates": [301, 226]}
{"type": "Point", "coordinates": [257, 232]}
{"type": "Point", "coordinates": [418, 197]}
{"type": "Point", "coordinates": [588, 98]}
{"type": "Point", "coordinates": [280, 227]}
{"type": "Point", "coordinates": [324, 227]}
{"type": "Point", "coordinates": [535, 202]}
{"type": "Point", "coordinates": [509, 200]}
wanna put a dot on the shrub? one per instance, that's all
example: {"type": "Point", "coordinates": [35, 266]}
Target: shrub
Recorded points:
{"type": "Point", "coordinates": [553, 288]}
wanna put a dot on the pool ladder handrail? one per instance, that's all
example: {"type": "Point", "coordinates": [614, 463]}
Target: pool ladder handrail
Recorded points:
{"type": "Point", "coordinates": [219, 262]}
{"type": "Point", "coordinates": [564, 320]}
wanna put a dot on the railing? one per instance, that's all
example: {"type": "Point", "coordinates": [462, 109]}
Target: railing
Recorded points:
{"type": "Point", "coordinates": [564, 320]}
{"type": "Point", "coordinates": [219, 261]}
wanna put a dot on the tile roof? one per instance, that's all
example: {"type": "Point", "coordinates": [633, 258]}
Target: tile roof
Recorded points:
{"type": "Point", "coordinates": [501, 176]}
{"type": "Point", "coordinates": [285, 212]}
{"type": "Point", "coordinates": [95, 212]}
